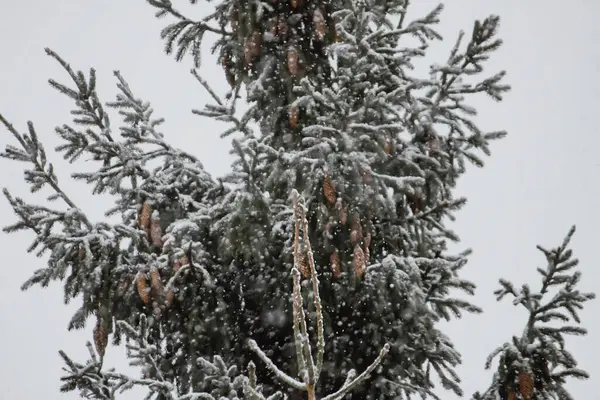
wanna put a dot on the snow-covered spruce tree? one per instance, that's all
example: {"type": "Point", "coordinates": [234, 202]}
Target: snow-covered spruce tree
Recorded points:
{"type": "Point", "coordinates": [374, 148]}
{"type": "Point", "coordinates": [536, 364]}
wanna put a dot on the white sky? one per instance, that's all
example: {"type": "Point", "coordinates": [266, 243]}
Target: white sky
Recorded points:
{"type": "Point", "coordinates": [539, 180]}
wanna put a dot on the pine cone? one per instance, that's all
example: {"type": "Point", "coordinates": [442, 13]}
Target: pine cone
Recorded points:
{"type": "Point", "coordinates": [176, 265]}
{"type": "Point", "coordinates": [329, 190]}
{"type": "Point", "coordinates": [355, 236]}
{"type": "Point", "coordinates": [255, 43]}
{"type": "Point", "coordinates": [155, 282]}
{"type": "Point", "coordinates": [248, 51]}
{"type": "Point", "coordinates": [512, 396]}
{"type": "Point", "coordinates": [100, 337]}
{"type": "Point", "coordinates": [180, 262]}
{"type": "Point", "coordinates": [359, 262]}
{"type": "Point", "coordinates": [355, 230]}
{"type": "Point", "coordinates": [145, 216]}
{"type": "Point", "coordinates": [294, 116]}
{"type": "Point", "coordinates": [292, 61]}
{"type": "Point", "coordinates": [142, 288]}
{"type": "Point", "coordinates": [170, 297]}
{"type": "Point", "coordinates": [388, 146]}
{"type": "Point", "coordinates": [319, 23]}
{"type": "Point", "coordinates": [526, 385]}
{"type": "Point", "coordinates": [367, 240]}
{"type": "Point", "coordinates": [335, 263]}
{"type": "Point", "coordinates": [304, 267]}
{"type": "Point", "coordinates": [156, 230]}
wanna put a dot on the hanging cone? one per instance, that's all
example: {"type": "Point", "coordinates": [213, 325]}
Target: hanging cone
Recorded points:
{"type": "Point", "coordinates": [292, 61]}
{"type": "Point", "coordinates": [155, 282]}
{"type": "Point", "coordinates": [355, 230]}
{"type": "Point", "coordinates": [304, 267]}
{"type": "Point", "coordinates": [329, 190]}
{"type": "Point", "coordinates": [145, 216]}
{"type": "Point", "coordinates": [156, 230]}
{"type": "Point", "coordinates": [142, 287]}
{"type": "Point", "coordinates": [388, 146]}
{"type": "Point", "coordinates": [248, 51]}
{"type": "Point", "coordinates": [170, 297]}
{"type": "Point", "coordinates": [100, 337]}
{"type": "Point", "coordinates": [320, 25]}
{"type": "Point", "coordinates": [176, 265]}
{"type": "Point", "coordinates": [294, 116]}
{"type": "Point", "coordinates": [255, 43]}
{"type": "Point", "coordinates": [367, 240]}
{"type": "Point", "coordinates": [180, 262]}
{"type": "Point", "coordinates": [526, 385]}
{"type": "Point", "coordinates": [359, 262]}
{"type": "Point", "coordinates": [335, 263]}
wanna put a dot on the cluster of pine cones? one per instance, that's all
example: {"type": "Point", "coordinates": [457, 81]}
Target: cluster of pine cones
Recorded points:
{"type": "Point", "coordinates": [360, 238]}
{"type": "Point", "coordinates": [295, 30]}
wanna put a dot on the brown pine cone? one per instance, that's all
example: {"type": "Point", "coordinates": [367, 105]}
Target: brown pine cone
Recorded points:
{"type": "Point", "coordinates": [255, 43]}
{"type": "Point", "coordinates": [142, 287]}
{"type": "Point", "coordinates": [294, 116]}
{"type": "Point", "coordinates": [335, 263]}
{"type": "Point", "coordinates": [100, 337]}
{"type": "Point", "coordinates": [320, 24]}
{"type": "Point", "coordinates": [169, 297]}
{"type": "Point", "coordinates": [526, 385]}
{"type": "Point", "coordinates": [367, 240]}
{"type": "Point", "coordinates": [293, 61]}
{"type": "Point", "coordinates": [304, 267]}
{"type": "Point", "coordinates": [388, 146]}
{"type": "Point", "coordinates": [329, 190]}
{"type": "Point", "coordinates": [145, 216]}
{"type": "Point", "coordinates": [359, 262]}
{"type": "Point", "coordinates": [155, 282]}
{"type": "Point", "coordinates": [155, 230]}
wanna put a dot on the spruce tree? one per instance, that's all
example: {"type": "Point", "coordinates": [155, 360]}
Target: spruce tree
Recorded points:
{"type": "Point", "coordinates": [199, 266]}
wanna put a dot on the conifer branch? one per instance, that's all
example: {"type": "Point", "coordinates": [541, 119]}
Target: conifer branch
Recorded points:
{"type": "Point", "coordinates": [307, 370]}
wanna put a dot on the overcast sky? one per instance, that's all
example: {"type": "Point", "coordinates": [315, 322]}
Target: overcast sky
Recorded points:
{"type": "Point", "coordinates": [539, 180]}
